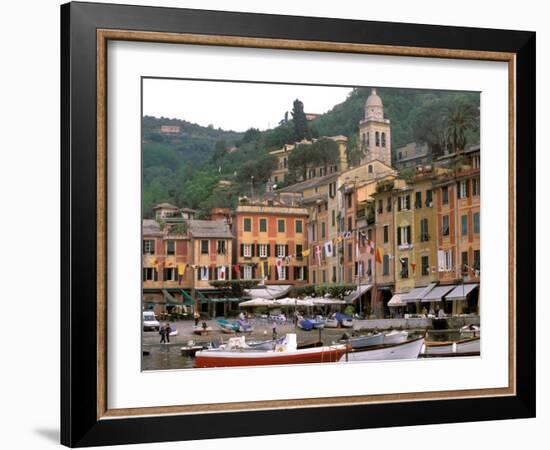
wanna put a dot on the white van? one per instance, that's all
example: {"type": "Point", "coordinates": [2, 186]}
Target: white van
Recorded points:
{"type": "Point", "coordinates": [150, 321]}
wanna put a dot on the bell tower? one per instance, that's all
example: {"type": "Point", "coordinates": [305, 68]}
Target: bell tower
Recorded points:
{"type": "Point", "coordinates": [375, 132]}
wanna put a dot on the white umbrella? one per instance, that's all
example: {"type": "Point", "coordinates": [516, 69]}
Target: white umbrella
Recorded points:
{"type": "Point", "coordinates": [257, 302]}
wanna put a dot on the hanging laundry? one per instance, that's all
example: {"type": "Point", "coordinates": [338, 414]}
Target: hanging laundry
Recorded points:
{"type": "Point", "coordinates": [237, 269]}
{"type": "Point", "coordinates": [305, 253]}
{"type": "Point", "coordinates": [181, 272]}
{"type": "Point", "coordinates": [221, 273]}
{"type": "Point", "coordinates": [370, 247]}
{"type": "Point", "coordinates": [204, 273]}
{"type": "Point", "coordinates": [413, 267]}
{"type": "Point", "coordinates": [328, 249]}
{"type": "Point", "coordinates": [357, 251]}
{"type": "Point", "coordinates": [280, 269]}
{"type": "Point", "coordinates": [441, 260]}
{"type": "Point", "coordinates": [318, 254]}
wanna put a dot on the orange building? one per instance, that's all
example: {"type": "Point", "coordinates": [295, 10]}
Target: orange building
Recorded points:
{"type": "Point", "coordinates": [271, 237]}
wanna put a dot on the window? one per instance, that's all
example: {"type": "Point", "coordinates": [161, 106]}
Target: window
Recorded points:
{"type": "Point", "coordinates": [348, 200]}
{"type": "Point", "coordinates": [247, 224]}
{"type": "Point", "coordinates": [247, 272]}
{"type": "Point", "coordinates": [298, 273]}
{"type": "Point", "coordinates": [464, 265]}
{"type": "Point", "coordinates": [263, 225]}
{"type": "Point", "coordinates": [313, 235]}
{"type": "Point", "coordinates": [169, 274]}
{"type": "Point", "coordinates": [424, 236]}
{"type": "Point", "coordinates": [148, 247]}
{"type": "Point", "coordinates": [445, 226]}
{"type": "Point", "coordinates": [350, 224]}
{"type": "Point", "coordinates": [370, 168]}
{"type": "Point", "coordinates": [477, 261]}
{"type": "Point", "coordinates": [380, 207]}
{"type": "Point", "coordinates": [475, 187]}
{"type": "Point", "coordinates": [404, 202]}
{"type": "Point", "coordinates": [447, 260]}
{"type": "Point", "coordinates": [281, 225]}
{"type": "Point", "coordinates": [476, 223]}
{"type": "Point", "coordinates": [314, 277]}
{"type": "Point", "coordinates": [263, 250]}
{"type": "Point", "coordinates": [377, 136]}
{"type": "Point", "coordinates": [464, 224]}
{"type": "Point", "coordinates": [463, 189]}
{"type": "Point", "coordinates": [247, 250]}
{"type": "Point", "coordinates": [221, 248]}
{"type": "Point", "coordinates": [425, 266]}
{"type": "Point", "coordinates": [445, 194]}
{"type": "Point", "coordinates": [383, 139]}
{"type": "Point", "coordinates": [170, 247]}
{"type": "Point", "coordinates": [298, 250]}
{"type": "Point", "coordinates": [149, 274]}
{"type": "Point", "coordinates": [404, 267]}
{"type": "Point", "coordinates": [418, 200]}
{"type": "Point", "coordinates": [476, 162]}
{"type": "Point", "coordinates": [204, 247]}
{"type": "Point", "coordinates": [323, 230]}
{"type": "Point", "coordinates": [324, 276]}
{"type": "Point", "coordinates": [388, 204]}
{"type": "Point", "coordinates": [332, 189]}
{"type": "Point", "coordinates": [369, 234]}
{"type": "Point", "coordinates": [334, 274]}
{"type": "Point", "coordinates": [333, 219]}
{"type": "Point", "coordinates": [298, 226]}
{"type": "Point", "coordinates": [350, 252]}
{"type": "Point", "coordinates": [285, 162]}
{"type": "Point", "coordinates": [281, 250]}
{"type": "Point", "coordinates": [369, 267]}
{"type": "Point", "coordinates": [386, 265]}
{"type": "Point", "coordinates": [368, 139]}
{"type": "Point", "coordinates": [404, 235]}
{"type": "Point", "coordinates": [429, 198]}
{"type": "Point", "coordinates": [386, 233]}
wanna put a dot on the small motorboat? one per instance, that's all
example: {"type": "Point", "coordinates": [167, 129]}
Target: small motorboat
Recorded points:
{"type": "Point", "coordinates": [338, 320]}
{"type": "Point", "coordinates": [367, 340]}
{"type": "Point", "coordinates": [239, 354]}
{"type": "Point", "coordinates": [227, 327]}
{"type": "Point", "coordinates": [404, 350]}
{"type": "Point", "coordinates": [470, 331]}
{"type": "Point", "coordinates": [174, 332]}
{"type": "Point", "coordinates": [244, 327]}
{"type": "Point", "coordinates": [470, 347]}
{"type": "Point", "coordinates": [395, 337]}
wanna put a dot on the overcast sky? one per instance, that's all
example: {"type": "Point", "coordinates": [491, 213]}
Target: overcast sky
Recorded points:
{"type": "Point", "coordinates": [234, 106]}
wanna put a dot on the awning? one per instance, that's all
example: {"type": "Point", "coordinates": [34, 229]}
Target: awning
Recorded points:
{"type": "Point", "coordinates": [361, 289]}
{"type": "Point", "coordinates": [417, 293]}
{"type": "Point", "coordinates": [170, 299]}
{"type": "Point", "coordinates": [269, 292]}
{"type": "Point", "coordinates": [187, 299]}
{"type": "Point", "coordinates": [397, 300]}
{"type": "Point", "coordinates": [436, 294]}
{"type": "Point", "coordinates": [461, 291]}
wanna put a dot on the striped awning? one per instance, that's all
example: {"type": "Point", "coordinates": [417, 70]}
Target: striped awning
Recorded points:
{"type": "Point", "coordinates": [397, 300]}
{"type": "Point", "coordinates": [436, 294]}
{"type": "Point", "coordinates": [461, 291]}
{"type": "Point", "coordinates": [417, 293]}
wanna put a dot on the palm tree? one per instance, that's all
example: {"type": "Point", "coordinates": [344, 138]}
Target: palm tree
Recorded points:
{"type": "Point", "coordinates": [460, 119]}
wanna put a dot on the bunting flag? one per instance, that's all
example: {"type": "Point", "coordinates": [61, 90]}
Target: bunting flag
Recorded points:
{"type": "Point", "coordinates": [204, 273]}
{"type": "Point", "coordinates": [318, 254]}
{"type": "Point", "coordinates": [328, 249]}
{"type": "Point", "coordinates": [181, 272]}
{"type": "Point", "coordinates": [379, 255]}
{"type": "Point", "coordinates": [237, 269]}
{"type": "Point", "coordinates": [305, 253]}
{"type": "Point", "coordinates": [370, 246]}
{"type": "Point", "coordinates": [262, 270]}
{"type": "Point", "coordinates": [279, 265]}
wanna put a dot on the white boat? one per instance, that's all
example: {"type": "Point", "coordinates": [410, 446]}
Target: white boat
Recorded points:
{"type": "Point", "coordinates": [367, 340]}
{"type": "Point", "coordinates": [338, 319]}
{"type": "Point", "coordinates": [395, 337]}
{"type": "Point", "coordinates": [470, 331]}
{"type": "Point", "coordinates": [465, 346]}
{"type": "Point", "coordinates": [404, 350]}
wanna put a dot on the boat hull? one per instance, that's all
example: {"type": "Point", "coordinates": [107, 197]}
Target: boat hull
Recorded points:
{"type": "Point", "coordinates": [469, 346]}
{"type": "Point", "coordinates": [405, 350]}
{"type": "Point", "coordinates": [213, 358]}
{"type": "Point", "coordinates": [366, 341]}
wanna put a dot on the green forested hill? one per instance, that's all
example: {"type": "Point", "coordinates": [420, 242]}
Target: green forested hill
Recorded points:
{"type": "Point", "coordinates": [185, 169]}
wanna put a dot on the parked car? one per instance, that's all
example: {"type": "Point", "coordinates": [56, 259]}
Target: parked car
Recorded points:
{"type": "Point", "coordinates": [150, 321]}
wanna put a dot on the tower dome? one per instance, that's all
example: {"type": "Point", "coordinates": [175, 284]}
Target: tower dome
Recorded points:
{"type": "Point", "coordinates": [374, 109]}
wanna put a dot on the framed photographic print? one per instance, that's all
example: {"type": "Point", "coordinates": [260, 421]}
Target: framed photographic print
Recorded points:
{"type": "Point", "coordinates": [278, 224]}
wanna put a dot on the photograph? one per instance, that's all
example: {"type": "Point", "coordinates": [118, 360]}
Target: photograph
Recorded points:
{"type": "Point", "coordinates": [303, 224]}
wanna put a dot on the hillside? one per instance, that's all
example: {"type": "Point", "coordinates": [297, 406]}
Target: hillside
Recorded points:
{"type": "Point", "coordinates": [186, 168]}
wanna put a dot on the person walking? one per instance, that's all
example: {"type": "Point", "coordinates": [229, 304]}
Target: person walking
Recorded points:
{"type": "Point", "coordinates": [165, 334]}
{"type": "Point", "coordinates": [197, 317]}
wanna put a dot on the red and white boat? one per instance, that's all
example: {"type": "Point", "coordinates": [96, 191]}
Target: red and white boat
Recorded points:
{"type": "Point", "coordinates": [285, 353]}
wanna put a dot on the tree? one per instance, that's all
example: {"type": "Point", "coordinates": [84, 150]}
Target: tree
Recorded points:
{"type": "Point", "coordinates": [460, 119]}
{"type": "Point", "coordinates": [301, 129]}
